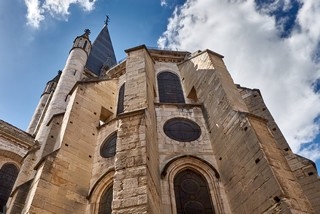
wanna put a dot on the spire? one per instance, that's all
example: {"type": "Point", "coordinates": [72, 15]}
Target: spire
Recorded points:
{"type": "Point", "coordinates": [107, 20]}
{"type": "Point", "coordinates": [102, 53]}
{"type": "Point", "coordinates": [51, 85]}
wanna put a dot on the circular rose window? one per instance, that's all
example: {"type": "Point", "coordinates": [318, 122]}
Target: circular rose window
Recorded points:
{"type": "Point", "coordinates": [181, 129]}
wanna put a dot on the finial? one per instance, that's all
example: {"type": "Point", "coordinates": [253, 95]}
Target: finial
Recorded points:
{"type": "Point", "coordinates": [107, 20]}
{"type": "Point", "coordinates": [87, 32]}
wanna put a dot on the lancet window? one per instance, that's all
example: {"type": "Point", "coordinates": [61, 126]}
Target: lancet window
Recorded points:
{"type": "Point", "coordinates": [120, 106]}
{"type": "Point", "coordinates": [192, 193]}
{"type": "Point", "coordinates": [106, 201]}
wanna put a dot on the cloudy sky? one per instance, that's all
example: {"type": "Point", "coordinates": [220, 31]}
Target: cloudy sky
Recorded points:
{"type": "Point", "coordinates": [273, 46]}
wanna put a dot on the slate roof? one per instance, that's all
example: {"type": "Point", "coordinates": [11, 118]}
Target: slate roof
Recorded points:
{"type": "Point", "coordinates": [102, 53]}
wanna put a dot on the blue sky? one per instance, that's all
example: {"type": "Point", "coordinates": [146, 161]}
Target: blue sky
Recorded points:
{"type": "Point", "coordinates": [272, 45]}
{"type": "Point", "coordinates": [31, 56]}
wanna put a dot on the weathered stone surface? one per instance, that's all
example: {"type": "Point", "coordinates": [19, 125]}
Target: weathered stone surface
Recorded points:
{"type": "Point", "coordinates": [241, 155]}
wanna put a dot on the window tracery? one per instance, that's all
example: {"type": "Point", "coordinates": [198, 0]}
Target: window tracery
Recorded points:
{"type": "Point", "coordinates": [192, 193]}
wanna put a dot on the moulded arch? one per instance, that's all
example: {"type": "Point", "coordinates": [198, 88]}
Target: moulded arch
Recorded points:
{"type": "Point", "coordinates": [198, 165]}
{"type": "Point", "coordinates": [98, 189]}
{"type": "Point", "coordinates": [173, 160]}
{"type": "Point", "coordinates": [11, 155]}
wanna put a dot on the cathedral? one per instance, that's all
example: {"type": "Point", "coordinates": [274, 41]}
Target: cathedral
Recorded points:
{"type": "Point", "coordinates": [160, 132]}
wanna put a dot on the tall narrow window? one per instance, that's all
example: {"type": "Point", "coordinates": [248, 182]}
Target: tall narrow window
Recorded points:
{"type": "Point", "coordinates": [120, 106]}
{"type": "Point", "coordinates": [8, 175]}
{"type": "Point", "coordinates": [106, 201]}
{"type": "Point", "coordinates": [170, 90]}
{"type": "Point", "coordinates": [85, 44]}
{"type": "Point", "coordinates": [192, 193]}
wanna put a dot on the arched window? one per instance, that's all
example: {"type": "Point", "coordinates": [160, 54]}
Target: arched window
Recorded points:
{"type": "Point", "coordinates": [108, 148]}
{"type": "Point", "coordinates": [192, 193]}
{"type": "Point", "coordinates": [120, 107]}
{"type": "Point", "coordinates": [8, 175]}
{"type": "Point", "coordinates": [106, 201]}
{"type": "Point", "coordinates": [170, 90]}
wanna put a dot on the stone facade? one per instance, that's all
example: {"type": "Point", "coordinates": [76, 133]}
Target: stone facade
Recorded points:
{"type": "Point", "coordinates": [104, 144]}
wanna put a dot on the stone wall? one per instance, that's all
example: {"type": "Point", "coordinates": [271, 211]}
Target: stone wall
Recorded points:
{"type": "Point", "coordinates": [136, 179]}
{"type": "Point", "coordinates": [254, 183]}
{"type": "Point", "coordinates": [15, 144]}
{"type": "Point", "coordinates": [63, 184]}
{"type": "Point", "coordinates": [241, 153]}
{"type": "Point", "coordinates": [304, 169]}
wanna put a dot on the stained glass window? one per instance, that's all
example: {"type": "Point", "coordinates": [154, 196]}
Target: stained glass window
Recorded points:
{"type": "Point", "coordinates": [106, 201]}
{"type": "Point", "coordinates": [108, 148]}
{"type": "Point", "coordinates": [182, 129]}
{"type": "Point", "coordinates": [192, 193]}
{"type": "Point", "coordinates": [170, 90]}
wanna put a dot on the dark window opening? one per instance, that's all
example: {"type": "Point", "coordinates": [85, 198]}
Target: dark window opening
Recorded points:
{"type": "Point", "coordinates": [8, 175]}
{"type": "Point", "coordinates": [181, 129]}
{"type": "Point", "coordinates": [192, 193]}
{"type": "Point", "coordinates": [276, 199]}
{"type": "Point", "coordinates": [170, 90]}
{"type": "Point", "coordinates": [193, 95]}
{"type": "Point", "coordinates": [108, 148]}
{"type": "Point", "coordinates": [85, 44]}
{"type": "Point", "coordinates": [120, 106]}
{"type": "Point", "coordinates": [106, 201]}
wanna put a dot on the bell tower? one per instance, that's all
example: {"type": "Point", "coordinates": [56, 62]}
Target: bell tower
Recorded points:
{"type": "Point", "coordinates": [46, 126]}
{"type": "Point", "coordinates": [72, 72]}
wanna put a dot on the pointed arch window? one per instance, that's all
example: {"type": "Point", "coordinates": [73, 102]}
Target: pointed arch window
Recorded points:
{"type": "Point", "coordinates": [192, 193]}
{"type": "Point", "coordinates": [169, 86]}
{"type": "Point", "coordinates": [106, 201]}
{"type": "Point", "coordinates": [120, 106]}
{"type": "Point", "coordinates": [108, 148]}
{"type": "Point", "coordinates": [8, 175]}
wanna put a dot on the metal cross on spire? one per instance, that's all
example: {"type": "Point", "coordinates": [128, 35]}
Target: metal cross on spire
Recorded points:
{"type": "Point", "coordinates": [87, 32]}
{"type": "Point", "coordinates": [107, 20]}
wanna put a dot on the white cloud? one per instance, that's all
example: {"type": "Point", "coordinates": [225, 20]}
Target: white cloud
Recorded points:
{"type": "Point", "coordinates": [34, 15]}
{"type": "Point", "coordinates": [312, 152]}
{"type": "Point", "coordinates": [56, 8]}
{"type": "Point", "coordinates": [282, 68]}
{"type": "Point", "coordinates": [163, 3]}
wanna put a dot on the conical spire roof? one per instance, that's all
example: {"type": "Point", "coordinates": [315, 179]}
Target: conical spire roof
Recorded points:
{"type": "Point", "coordinates": [102, 53]}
